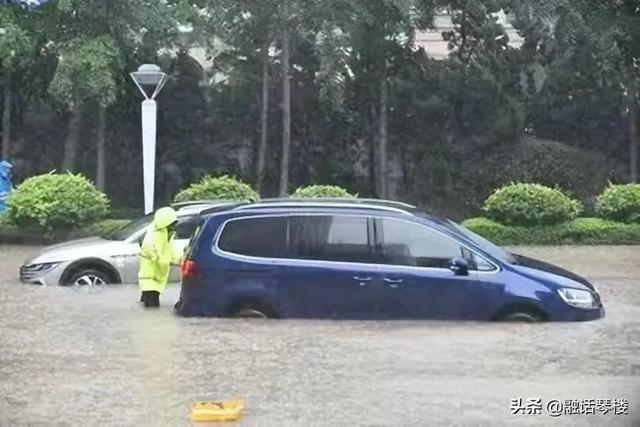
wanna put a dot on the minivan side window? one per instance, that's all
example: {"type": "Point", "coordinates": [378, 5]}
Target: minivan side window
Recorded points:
{"type": "Point", "coordinates": [330, 238]}
{"type": "Point", "coordinates": [259, 237]}
{"type": "Point", "coordinates": [410, 244]}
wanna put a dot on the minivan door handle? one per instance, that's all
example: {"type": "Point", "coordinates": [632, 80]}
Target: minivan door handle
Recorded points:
{"type": "Point", "coordinates": [362, 279]}
{"type": "Point", "coordinates": [392, 283]}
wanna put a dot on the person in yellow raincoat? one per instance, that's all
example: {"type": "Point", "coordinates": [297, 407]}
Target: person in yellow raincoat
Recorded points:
{"type": "Point", "coordinates": [157, 254]}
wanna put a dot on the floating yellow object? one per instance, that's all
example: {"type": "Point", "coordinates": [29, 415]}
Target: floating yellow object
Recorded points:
{"type": "Point", "coordinates": [228, 410]}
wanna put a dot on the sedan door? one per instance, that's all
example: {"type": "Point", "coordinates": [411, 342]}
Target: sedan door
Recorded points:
{"type": "Point", "coordinates": [417, 281]}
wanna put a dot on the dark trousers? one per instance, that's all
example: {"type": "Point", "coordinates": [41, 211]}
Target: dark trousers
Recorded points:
{"type": "Point", "coordinates": [150, 298]}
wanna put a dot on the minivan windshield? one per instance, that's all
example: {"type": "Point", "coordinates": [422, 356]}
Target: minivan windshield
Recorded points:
{"type": "Point", "coordinates": [131, 228]}
{"type": "Point", "coordinates": [491, 248]}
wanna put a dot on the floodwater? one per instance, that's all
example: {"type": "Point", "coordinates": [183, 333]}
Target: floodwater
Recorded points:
{"type": "Point", "coordinates": [71, 356]}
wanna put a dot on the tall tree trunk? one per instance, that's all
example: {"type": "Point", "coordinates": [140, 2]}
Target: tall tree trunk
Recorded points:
{"type": "Point", "coordinates": [6, 115]}
{"type": "Point", "coordinates": [634, 136]}
{"type": "Point", "coordinates": [264, 116]}
{"type": "Point", "coordinates": [102, 149]}
{"type": "Point", "coordinates": [634, 142]}
{"type": "Point", "coordinates": [372, 132]}
{"type": "Point", "coordinates": [382, 173]}
{"type": "Point", "coordinates": [71, 141]}
{"type": "Point", "coordinates": [286, 114]}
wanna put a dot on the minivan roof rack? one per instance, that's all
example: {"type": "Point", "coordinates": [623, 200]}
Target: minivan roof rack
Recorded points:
{"type": "Point", "coordinates": [351, 200]}
{"type": "Point", "coordinates": [349, 203]}
{"type": "Point", "coordinates": [215, 202]}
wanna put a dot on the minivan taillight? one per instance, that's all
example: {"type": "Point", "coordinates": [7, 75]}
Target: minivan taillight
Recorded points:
{"type": "Point", "coordinates": [188, 268]}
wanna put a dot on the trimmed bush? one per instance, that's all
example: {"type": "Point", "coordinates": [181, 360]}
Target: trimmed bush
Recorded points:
{"type": "Point", "coordinates": [55, 201]}
{"type": "Point", "coordinates": [321, 191]}
{"type": "Point", "coordinates": [221, 187]}
{"type": "Point", "coordinates": [620, 203]}
{"type": "Point", "coordinates": [585, 231]}
{"type": "Point", "coordinates": [531, 204]}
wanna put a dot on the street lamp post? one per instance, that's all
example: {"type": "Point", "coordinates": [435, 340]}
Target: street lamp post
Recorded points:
{"type": "Point", "coordinates": [149, 79]}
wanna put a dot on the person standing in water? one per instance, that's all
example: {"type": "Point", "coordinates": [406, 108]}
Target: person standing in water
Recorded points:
{"type": "Point", "coordinates": [157, 255]}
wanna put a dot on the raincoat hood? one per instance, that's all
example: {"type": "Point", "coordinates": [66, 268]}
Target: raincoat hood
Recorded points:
{"type": "Point", "coordinates": [5, 169]}
{"type": "Point", "coordinates": [164, 217]}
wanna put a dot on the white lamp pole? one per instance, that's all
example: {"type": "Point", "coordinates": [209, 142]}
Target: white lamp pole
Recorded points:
{"type": "Point", "coordinates": [150, 79]}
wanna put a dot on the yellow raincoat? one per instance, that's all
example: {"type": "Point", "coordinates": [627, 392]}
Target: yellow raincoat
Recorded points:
{"type": "Point", "coordinates": [158, 252]}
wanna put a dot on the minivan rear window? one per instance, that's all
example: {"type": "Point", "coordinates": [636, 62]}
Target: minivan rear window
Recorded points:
{"type": "Point", "coordinates": [259, 237]}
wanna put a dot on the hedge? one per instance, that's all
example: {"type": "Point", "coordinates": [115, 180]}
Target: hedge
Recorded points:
{"type": "Point", "coordinates": [11, 233]}
{"type": "Point", "coordinates": [321, 191]}
{"type": "Point", "coordinates": [57, 201]}
{"type": "Point", "coordinates": [583, 231]}
{"type": "Point", "coordinates": [531, 204]}
{"type": "Point", "coordinates": [220, 187]}
{"type": "Point", "coordinates": [620, 203]}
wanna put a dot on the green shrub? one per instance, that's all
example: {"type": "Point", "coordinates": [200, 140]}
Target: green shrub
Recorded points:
{"type": "Point", "coordinates": [531, 204]}
{"type": "Point", "coordinates": [584, 231]}
{"type": "Point", "coordinates": [221, 187]}
{"type": "Point", "coordinates": [57, 201]}
{"type": "Point", "coordinates": [620, 203]}
{"type": "Point", "coordinates": [602, 232]}
{"type": "Point", "coordinates": [321, 191]}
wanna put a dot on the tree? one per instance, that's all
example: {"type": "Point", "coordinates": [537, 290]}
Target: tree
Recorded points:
{"type": "Point", "coordinates": [96, 41]}
{"type": "Point", "coordinates": [86, 71]}
{"type": "Point", "coordinates": [381, 31]}
{"type": "Point", "coordinates": [15, 49]}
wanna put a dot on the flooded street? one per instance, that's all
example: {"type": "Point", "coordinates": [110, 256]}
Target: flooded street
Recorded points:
{"type": "Point", "coordinates": [72, 356]}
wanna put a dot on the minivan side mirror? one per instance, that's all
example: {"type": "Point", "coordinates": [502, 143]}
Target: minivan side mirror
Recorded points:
{"type": "Point", "coordinates": [459, 266]}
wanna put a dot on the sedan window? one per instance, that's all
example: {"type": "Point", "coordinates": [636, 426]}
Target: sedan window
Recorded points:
{"type": "Point", "coordinates": [131, 228]}
{"type": "Point", "coordinates": [186, 227]}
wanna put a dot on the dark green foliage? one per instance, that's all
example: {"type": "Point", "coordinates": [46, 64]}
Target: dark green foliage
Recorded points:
{"type": "Point", "coordinates": [320, 191]}
{"type": "Point", "coordinates": [582, 231]}
{"type": "Point", "coordinates": [221, 187]}
{"type": "Point", "coordinates": [531, 204]}
{"type": "Point", "coordinates": [57, 201]}
{"type": "Point", "coordinates": [620, 203]}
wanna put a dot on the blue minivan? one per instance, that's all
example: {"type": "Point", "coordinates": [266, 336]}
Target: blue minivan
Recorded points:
{"type": "Point", "coordinates": [367, 259]}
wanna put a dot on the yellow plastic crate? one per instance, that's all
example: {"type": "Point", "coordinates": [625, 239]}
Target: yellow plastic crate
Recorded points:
{"type": "Point", "coordinates": [228, 410]}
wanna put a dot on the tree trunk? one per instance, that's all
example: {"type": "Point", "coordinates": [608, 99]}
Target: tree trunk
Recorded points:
{"type": "Point", "coordinates": [6, 115]}
{"type": "Point", "coordinates": [102, 149]}
{"type": "Point", "coordinates": [382, 172]}
{"type": "Point", "coordinates": [71, 142]}
{"type": "Point", "coordinates": [264, 125]}
{"type": "Point", "coordinates": [634, 142]}
{"type": "Point", "coordinates": [286, 114]}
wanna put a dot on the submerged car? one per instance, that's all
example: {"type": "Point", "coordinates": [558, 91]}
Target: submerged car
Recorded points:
{"type": "Point", "coordinates": [367, 259]}
{"type": "Point", "coordinates": [108, 259]}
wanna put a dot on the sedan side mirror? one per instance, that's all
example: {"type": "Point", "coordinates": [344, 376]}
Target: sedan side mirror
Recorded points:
{"type": "Point", "coordinates": [459, 266]}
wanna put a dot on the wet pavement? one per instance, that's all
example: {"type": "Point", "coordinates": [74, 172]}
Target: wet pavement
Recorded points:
{"type": "Point", "coordinates": [71, 356]}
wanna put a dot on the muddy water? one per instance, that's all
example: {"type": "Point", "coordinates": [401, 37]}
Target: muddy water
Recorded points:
{"type": "Point", "coordinates": [71, 356]}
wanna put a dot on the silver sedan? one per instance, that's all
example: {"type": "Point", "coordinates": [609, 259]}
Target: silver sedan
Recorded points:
{"type": "Point", "coordinates": [109, 259]}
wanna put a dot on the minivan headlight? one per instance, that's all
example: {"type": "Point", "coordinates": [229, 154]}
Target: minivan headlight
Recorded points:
{"type": "Point", "coordinates": [577, 297]}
